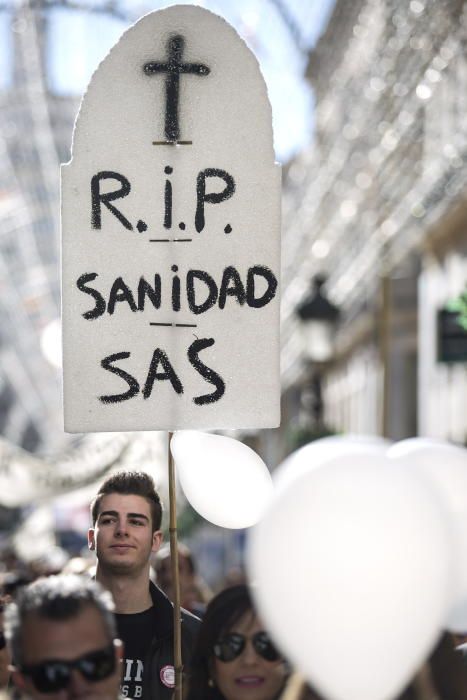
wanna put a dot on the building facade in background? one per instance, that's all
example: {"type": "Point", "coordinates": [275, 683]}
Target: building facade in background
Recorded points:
{"type": "Point", "coordinates": [379, 204]}
{"type": "Point", "coordinates": [35, 135]}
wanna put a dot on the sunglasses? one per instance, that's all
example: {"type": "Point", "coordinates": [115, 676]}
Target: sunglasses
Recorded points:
{"type": "Point", "coordinates": [231, 646]}
{"type": "Point", "coordinates": [54, 675]}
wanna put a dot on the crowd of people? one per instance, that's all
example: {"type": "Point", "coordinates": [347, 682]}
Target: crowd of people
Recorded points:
{"type": "Point", "coordinates": [106, 632]}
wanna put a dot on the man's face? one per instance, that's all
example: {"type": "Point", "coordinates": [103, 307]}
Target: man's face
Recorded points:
{"type": "Point", "coordinates": [122, 536]}
{"type": "Point", "coordinates": [68, 640]}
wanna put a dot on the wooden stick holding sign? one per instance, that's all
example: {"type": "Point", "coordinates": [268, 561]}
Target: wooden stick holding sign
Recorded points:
{"type": "Point", "coordinates": [178, 664]}
{"type": "Point", "coordinates": [171, 239]}
{"type": "Point", "coordinates": [294, 687]}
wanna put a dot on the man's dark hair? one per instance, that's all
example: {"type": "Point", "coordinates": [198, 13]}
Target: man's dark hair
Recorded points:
{"type": "Point", "coordinates": [130, 484]}
{"type": "Point", "coordinates": [57, 598]}
{"type": "Point", "coordinates": [223, 611]}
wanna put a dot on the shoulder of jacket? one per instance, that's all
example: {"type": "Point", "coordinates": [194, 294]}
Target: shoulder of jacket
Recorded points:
{"type": "Point", "coordinates": [190, 622]}
{"type": "Point", "coordinates": [187, 616]}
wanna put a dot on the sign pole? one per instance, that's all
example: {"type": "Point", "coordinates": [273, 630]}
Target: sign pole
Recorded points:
{"type": "Point", "coordinates": [175, 577]}
{"type": "Point", "coordinates": [294, 687]}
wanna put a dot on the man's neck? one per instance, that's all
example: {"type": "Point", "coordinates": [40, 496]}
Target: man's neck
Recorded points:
{"type": "Point", "coordinates": [130, 593]}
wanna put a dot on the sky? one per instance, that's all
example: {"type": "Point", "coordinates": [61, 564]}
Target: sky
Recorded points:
{"type": "Point", "coordinates": [78, 41]}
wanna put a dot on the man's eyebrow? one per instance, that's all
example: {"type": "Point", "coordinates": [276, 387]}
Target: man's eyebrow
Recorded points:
{"type": "Point", "coordinates": [138, 515]}
{"type": "Point", "coordinates": [114, 514]}
{"type": "Point", "coordinates": [108, 512]}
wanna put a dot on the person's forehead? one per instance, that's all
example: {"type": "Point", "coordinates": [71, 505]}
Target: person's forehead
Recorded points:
{"type": "Point", "coordinates": [43, 638]}
{"type": "Point", "coordinates": [124, 504]}
{"type": "Point", "coordinates": [248, 624]}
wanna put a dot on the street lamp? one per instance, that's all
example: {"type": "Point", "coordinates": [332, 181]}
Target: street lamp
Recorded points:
{"type": "Point", "coordinates": [318, 317]}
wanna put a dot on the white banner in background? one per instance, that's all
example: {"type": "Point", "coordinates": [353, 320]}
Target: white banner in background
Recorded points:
{"type": "Point", "coordinates": [25, 478]}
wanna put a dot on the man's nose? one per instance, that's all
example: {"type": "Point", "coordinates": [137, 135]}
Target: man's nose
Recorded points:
{"type": "Point", "coordinates": [77, 685]}
{"type": "Point", "coordinates": [121, 528]}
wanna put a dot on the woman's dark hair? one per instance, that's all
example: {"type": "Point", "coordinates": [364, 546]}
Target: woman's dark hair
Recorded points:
{"type": "Point", "coordinates": [224, 610]}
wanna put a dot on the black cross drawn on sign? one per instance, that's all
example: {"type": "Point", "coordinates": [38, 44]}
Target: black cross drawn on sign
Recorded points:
{"type": "Point", "coordinates": [173, 68]}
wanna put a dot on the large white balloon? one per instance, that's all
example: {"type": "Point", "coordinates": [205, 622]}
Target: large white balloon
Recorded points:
{"type": "Point", "coordinates": [445, 465]}
{"type": "Point", "coordinates": [315, 453]}
{"type": "Point", "coordinates": [223, 479]}
{"type": "Point", "coordinates": [351, 566]}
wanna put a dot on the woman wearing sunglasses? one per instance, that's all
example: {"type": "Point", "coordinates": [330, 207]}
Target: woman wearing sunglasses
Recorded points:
{"type": "Point", "coordinates": [234, 658]}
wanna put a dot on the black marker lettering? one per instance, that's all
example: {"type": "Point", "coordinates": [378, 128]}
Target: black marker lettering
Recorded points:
{"type": "Point", "coordinates": [206, 372]}
{"type": "Point", "coordinates": [153, 293]}
{"type": "Point", "coordinates": [169, 373]}
{"type": "Point", "coordinates": [99, 308]}
{"type": "Point", "coordinates": [120, 292]}
{"type": "Point", "coordinates": [190, 291]}
{"type": "Point", "coordinates": [231, 285]}
{"type": "Point", "coordinates": [97, 198]}
{"type": "Point", "coordinates": [131, 381]}
{"type": "Point", "coordinates": [175, 290]}
{"type": "Point", "coordinates": [269, 294]}
{"type": "Point", "coordinates": [211, 197]}
{"type": "Point", "coordinates": [168, 199]}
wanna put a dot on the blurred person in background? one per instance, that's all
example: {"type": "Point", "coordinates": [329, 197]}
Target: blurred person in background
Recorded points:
{"type": "Point", "coordinates": [49, 563]}
{"type": "Point", "coordinates": [61, 633]}
{"type": "Point", "coordinates": [126, 516]}
{"type": "Point", "coordinates": [235, 576]}
{"type": "Point", "coordinates": [83, 566]}
{"type": "Point", "coordinates": [4, 655]}
{"type": "Point", "coordinates": [234, 658]}
{"type": "Point", "coordinates": [194, 592]}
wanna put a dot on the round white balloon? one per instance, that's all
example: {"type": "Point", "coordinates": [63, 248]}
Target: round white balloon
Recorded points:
{"type": "Point", "coordinates": [223, 479]}
{"type": "Point", "coordinates": [319, 451]}
{"type": "Point", "coordinates": [445, 466]}
{"type": "Point", "coordinates": [351, 566]}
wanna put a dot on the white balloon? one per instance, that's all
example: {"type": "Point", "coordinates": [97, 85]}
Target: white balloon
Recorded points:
{"type": "Point", "coordinates": [351, 567]}
{"type": "Point", "coordinates": [223, 479]}
{"type": "Point", "coordinates": [319, 451]}
{"type": "Point", "coordinates": [445, 465]}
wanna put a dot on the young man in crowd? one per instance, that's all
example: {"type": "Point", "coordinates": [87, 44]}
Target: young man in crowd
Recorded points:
{"type": "Point", "coordinates": [126, 516]}
{"type": "Point", "coordinates": [61, 633]}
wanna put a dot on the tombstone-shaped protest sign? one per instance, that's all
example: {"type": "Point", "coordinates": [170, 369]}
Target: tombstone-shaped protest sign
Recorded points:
{"type": "Point", "coordinates": [170, 235]}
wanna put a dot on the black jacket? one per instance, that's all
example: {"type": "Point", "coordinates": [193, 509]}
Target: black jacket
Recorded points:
{"type": "Point", "coordinates": [160, 654]}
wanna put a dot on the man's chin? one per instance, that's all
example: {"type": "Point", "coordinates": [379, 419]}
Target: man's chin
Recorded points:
{"type": "Point", "coordinates": [119, 565]}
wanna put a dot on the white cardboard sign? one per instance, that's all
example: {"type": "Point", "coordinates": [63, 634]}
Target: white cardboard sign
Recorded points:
{"type": "Point", "coordinates": [171, 235]}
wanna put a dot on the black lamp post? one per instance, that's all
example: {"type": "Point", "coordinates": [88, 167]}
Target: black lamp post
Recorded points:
{"type": "Point", "coordinates": [318, 318]}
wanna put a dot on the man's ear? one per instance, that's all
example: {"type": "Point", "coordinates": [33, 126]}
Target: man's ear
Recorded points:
{"type": "Point", "coordinates": [119, 649]}
{"type": "Point", "coordinates": [91, 539]}
{"type": "Point", "coordinates": [157, 538]}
